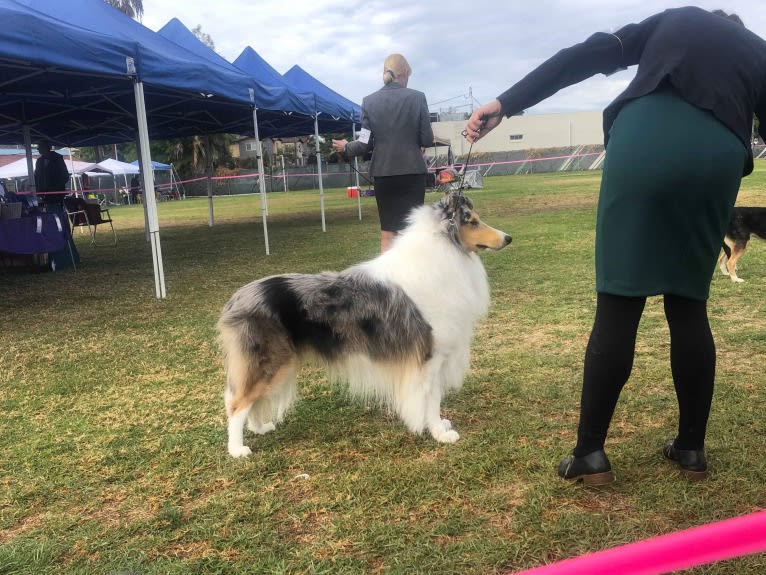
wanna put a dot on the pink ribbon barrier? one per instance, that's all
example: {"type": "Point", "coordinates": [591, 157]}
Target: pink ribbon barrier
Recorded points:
{"type": "Point", "coordinates": [667, 553]}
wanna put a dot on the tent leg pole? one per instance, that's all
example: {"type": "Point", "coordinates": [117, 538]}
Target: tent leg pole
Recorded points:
{"type": "Point", "coordinates": [261, 182]}
{"type": "Point", "coordinates": [319, 169]}
{"type": "Point", "coordinates": [150, 202]}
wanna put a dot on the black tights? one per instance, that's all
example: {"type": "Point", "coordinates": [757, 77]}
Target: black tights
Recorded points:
{"type": "Point", "coordinates": [609, 360]}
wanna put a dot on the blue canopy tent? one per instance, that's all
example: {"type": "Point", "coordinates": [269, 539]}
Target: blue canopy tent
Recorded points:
{"type": "Point", "coordinates": [85, 85]}
{"type": "Point", "coordinates": [297, 110]}
{"type": "Point", "coordinates": [172, 176]}
{"type": "Point", "coordinates": [156, 166]}
{"type": "Point", "coordinates": [307, 111]}
{"type": "Point", "coordinates": [39, 80]}
{"type": "Point", "coordinates": [302, 81]}
{"type": "Point", "coordinates": [186, 95]}
{"type": "Point", "coordinates": [329, 115]}
{"type": "Point", "coordinates": [297, 114]}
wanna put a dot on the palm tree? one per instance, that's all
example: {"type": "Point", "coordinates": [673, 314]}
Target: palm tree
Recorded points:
{"type": "Point", "coordinates": [133, 8]}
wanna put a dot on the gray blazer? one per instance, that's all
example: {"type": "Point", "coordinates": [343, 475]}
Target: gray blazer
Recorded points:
{"type": "Point", "coordinates": [400, 125]}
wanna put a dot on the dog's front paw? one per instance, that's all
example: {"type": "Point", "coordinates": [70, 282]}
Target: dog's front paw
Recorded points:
{"type": "Point", "coordinates": [239, 450]}
{"type": "Point", "coordinates": [449, 436]}
{"type": "Point", "coordinates": [446, 424]}
{"type": "Point", "coordinates": [737, 280]}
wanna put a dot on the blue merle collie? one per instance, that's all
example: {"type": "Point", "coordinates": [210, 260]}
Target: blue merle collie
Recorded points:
{"type": "Point", "coordinates": [396, 329]}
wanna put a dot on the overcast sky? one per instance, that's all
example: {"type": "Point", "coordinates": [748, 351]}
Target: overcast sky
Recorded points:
{"type": "Point", "coordinates": [455, 48]}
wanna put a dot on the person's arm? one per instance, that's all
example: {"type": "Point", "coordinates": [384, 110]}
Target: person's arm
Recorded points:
{"type": "Point", "coordinates": [426, 132]}
{"type": "Point", "coordinates": [62, 172]}
{"type": "Point", "coordinates": [760, 113]}
{"type": "Point", "coordinates": [361, 145]}
{"type": "Point", "coordinates": [364, 141]}
{"type": "Point", "coordinates": [601, 53]}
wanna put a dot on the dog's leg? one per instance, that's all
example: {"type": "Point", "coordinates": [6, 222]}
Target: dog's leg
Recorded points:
{"type": "Point", "coordinates": [736, 252]}
{"type": "Point", "coordinates": [257, 426]}
{"type": "Point", "coordinates": [440, 429]}
{"type": "Point", "coordinates": [237, 447]}
{"type": "Point", "coordinates": [276, 398]}
{"type": "Point", "coordinates": [723, 259]}
{"type": "Point", "coordinates": [419, 406]}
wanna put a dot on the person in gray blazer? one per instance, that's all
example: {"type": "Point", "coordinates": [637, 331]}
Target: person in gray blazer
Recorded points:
{"type": "Point", "coordinates": [395, 126]}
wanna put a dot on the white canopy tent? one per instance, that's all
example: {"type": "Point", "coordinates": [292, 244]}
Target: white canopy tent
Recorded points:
{"type": "Point", "coordinates": [118, 168]}
{"type": "Point", "coordinates": [18, 169]}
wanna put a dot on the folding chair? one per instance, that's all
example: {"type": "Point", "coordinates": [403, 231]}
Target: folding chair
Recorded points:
{"type": "Point", "coordinates": [75, 211]}
{"type": "Point", "coordinates": [82, 214]}
{"type": "Point", "coordinates": [95, 216]}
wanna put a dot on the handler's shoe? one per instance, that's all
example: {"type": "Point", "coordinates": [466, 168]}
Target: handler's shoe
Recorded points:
{"type": "Point", "coordinates": [592, 469]}
{"type": "Point", "coordinates": [691, 461]}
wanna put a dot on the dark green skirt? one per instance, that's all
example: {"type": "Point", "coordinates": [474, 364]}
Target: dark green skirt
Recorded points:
{"type": "Point", "coordinates": [671, 176]}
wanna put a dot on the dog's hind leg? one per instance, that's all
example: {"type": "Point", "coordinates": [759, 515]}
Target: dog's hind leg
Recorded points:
{"type": "Point", "coordinates": [277, 399]}
{"type": "Point", "coordinates": [723, 259]}
{"type": "Point", "coordinates": [736, 252]}
{"type": "Point", "coordinates": [258, 427]}
{"type": "Point", "coordinates": [236, 428]}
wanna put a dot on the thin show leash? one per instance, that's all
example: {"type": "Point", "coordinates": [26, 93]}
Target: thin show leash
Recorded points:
{"type": "Point", "coordinates": [463, 170]}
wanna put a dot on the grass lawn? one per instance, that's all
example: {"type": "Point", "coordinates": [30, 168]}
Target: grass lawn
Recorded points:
{"type": "Point", "coordinates": [113, 441]}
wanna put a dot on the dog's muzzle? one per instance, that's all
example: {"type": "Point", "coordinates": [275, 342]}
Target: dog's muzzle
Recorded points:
{"type": "Point", "coordinates": [506, 240]}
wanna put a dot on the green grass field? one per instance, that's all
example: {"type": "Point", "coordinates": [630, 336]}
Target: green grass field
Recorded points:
{"type": "Point", "coordinates": [113, 441]}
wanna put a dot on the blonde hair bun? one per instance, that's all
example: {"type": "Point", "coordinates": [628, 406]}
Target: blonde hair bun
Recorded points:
{"type": "Point", "coordinates": [395, 66]}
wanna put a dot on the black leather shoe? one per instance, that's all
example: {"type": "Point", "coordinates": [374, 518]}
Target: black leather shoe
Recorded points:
{"type": "Point", "coordinates": [592, 469]}
{"type": "Point", "coordinates": [691, 461]}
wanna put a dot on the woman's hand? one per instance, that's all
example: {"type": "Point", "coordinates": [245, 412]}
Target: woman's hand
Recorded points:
{"type": "Point", "coordinates": [339, 145]}
{"type": "Point", "coordinates": [483, 120]}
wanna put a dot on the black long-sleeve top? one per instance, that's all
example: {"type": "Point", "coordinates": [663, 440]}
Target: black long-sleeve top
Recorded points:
{"type": "Point", "coordinates": [712, 62]}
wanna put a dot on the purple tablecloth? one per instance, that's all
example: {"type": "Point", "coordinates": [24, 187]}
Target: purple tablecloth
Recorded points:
{"type": "Point", "coordinates": [38, 234]}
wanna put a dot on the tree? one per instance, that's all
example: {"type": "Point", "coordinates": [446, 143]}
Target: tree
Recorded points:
{"type": "Point", "coordinates": [133, 8]}
{"type": "Point", "coordinates": [191, 155]}
{"type": "Point", "coordinates": [203, 37]}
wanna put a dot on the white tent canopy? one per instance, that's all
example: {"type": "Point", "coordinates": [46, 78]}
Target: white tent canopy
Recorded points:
{"type": "Point", "coordinates": [117, 168]}
{"type": "Point", "coordinates": [18, 169]}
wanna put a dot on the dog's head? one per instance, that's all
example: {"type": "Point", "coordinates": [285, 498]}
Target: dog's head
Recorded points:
{"type": "Point", "coordinates": [466, 228]}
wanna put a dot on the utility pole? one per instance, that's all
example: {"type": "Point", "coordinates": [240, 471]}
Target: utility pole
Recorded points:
{"type": "Point", "coordinates": [470, 98]}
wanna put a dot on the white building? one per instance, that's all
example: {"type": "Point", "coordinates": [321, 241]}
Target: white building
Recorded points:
{"type": "Point", "coordinates": [526, 132]}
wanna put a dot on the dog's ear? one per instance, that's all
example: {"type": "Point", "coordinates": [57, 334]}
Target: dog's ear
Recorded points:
{"type": "Point", "coordinates": [458, 205]}
{"type": "Point", "coordinates": [452, 199]}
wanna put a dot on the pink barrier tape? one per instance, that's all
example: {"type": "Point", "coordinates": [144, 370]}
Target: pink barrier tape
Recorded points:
{"type": "Point", "coordinates": [311, 174]}
{"type": "Point", "coordinates": [673, 552]}
{"type": "Point", "coordinates": [480, 164]}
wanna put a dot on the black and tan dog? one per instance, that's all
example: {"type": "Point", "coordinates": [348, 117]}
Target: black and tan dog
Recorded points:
{"type": "Point", "coordinates": [745, 221]}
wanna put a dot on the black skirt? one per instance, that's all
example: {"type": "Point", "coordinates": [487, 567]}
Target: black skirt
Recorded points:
{"type": "Point", "coordinates": [396, 196]}
{"type": "Point", "coordinates": [671, 176]}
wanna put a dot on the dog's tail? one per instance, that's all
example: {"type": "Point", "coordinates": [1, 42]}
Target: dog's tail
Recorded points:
{"type": "Point", "coordinates": [258, 377]}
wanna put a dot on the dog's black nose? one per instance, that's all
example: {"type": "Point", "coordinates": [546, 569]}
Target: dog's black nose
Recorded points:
{"type": "Point", "coordinates": [508, 239]}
